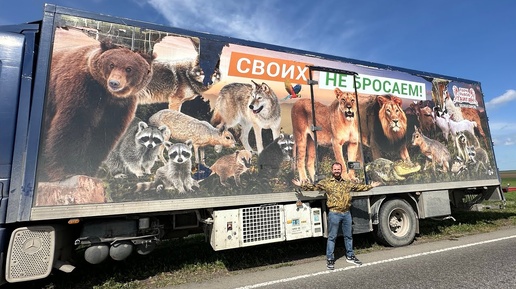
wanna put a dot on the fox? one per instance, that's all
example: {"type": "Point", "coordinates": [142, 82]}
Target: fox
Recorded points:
{"type": "Point", "coordinates": [232, 165]}
{"type": "Point", "coordinates": [250, 106]}
{"type": "Point", "coordinates": [136, 152]}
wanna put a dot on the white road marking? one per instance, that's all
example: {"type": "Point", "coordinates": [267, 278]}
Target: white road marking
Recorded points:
{"type": "Point", "coordinates": [372, 263]}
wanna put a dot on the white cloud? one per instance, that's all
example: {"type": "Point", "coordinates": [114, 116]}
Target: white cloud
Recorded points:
{"type": "Point", "coordinates": [248, 20]}
{"type": "Point", "coordinates": [503, 133]}
{"type": "Point", "coordinates": [508, 96]}
{"type": "Point", "coordinates": [268, 21]}
{"type": "Point", "coordinates": [504, 140]}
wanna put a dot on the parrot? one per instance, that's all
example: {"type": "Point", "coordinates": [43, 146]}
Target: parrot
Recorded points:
{"type": "Point", "coordinates": [293, 91]}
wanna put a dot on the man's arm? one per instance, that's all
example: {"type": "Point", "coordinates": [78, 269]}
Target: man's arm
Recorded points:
{"type": "Point", "coordinates": [363, 187]}
{"type": "Point", "coordinates": [307, 186]}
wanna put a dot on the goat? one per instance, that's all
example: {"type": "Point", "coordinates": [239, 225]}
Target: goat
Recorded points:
{"type": "Point", "coordinates": [442, 123]}
{"type": "Point", "coordinates": [458, 126]}
{"type": "Point", "coordinates": [454, 111]}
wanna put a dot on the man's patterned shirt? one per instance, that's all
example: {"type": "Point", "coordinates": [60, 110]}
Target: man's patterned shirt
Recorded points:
{"type": "Point", "coordinates": [338, 197]}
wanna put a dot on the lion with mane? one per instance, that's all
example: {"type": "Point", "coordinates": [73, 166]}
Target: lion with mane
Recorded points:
{"type": "Point", "coordinates": [385, 126]}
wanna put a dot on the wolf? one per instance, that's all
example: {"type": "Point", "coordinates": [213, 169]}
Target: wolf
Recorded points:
{"type": "Point", "coordinates": [177, 81]}
{"type": "Point", "coordinates": [252, 106]}
{"type": "Point", "coordinates": [270, 159]}
{"type": "Point", "coordinates": [137, 150]}
{"type": "Point", "coordinates": [176, 174]}
{"type": "Point", "coordinates": [339, 123]}
{"type": "Point", "coordinates": [435, 151]}
{"type": "Point", "coordinates": [232, 165]}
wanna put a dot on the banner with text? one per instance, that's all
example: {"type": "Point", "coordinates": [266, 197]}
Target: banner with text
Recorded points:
{"type": "Point", "coordinates": [375, 85]}
{"type": "Point", "coordinates": [267, 68]}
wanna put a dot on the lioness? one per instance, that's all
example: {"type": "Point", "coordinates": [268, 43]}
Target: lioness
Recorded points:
{"type": "Point", "coordinates": [339, 125]}
{"type": "Point", "coordinates": [385, 126]}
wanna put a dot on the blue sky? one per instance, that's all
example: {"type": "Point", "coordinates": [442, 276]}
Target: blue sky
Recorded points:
{"type": "Point", "coordinates": [470, 39]}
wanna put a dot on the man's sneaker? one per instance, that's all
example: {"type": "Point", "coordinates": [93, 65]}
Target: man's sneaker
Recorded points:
{"type": "Point", "coordinates": [353, 260]}
{"type": "Point", "coordinates": [330, 264]}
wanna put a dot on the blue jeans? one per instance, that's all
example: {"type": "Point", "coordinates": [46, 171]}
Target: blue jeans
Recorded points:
{"type": "Point", "coordinates": [335, 221]}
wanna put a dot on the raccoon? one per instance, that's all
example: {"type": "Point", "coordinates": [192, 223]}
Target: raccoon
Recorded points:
{"type": "Point", "coordinates": [271, 158]}
{"type": "Point", "coordinates": [458, 167]}
{"type": "Point", "coordinates": [176, 174]}
{"type": "Point", "coordinates": [137, 150]}
{"type": "Point", "coordinates": [478, 158]}
{"type": "Point", "coordinates": [463, 140]}
{"type": "Point", "coordinates": [232, 165]}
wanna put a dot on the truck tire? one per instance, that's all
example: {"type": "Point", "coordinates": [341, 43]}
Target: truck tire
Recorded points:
{"type": "Point", "coordinates": [397, 223]}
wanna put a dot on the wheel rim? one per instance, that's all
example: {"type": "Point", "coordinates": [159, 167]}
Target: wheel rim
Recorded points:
{"type": "Point", "coordinates": [399, 222]}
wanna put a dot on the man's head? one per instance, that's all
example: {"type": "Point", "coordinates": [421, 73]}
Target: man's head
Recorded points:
{"type": "Point", "coordinates": [336, 170]}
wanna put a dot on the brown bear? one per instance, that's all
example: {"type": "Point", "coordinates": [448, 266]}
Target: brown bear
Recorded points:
{"type": "Point", "coordinates": [91, 101]}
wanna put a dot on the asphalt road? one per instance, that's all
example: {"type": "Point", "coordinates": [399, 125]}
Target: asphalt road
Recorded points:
{"type": "Point", "coordinates": [478, 261]}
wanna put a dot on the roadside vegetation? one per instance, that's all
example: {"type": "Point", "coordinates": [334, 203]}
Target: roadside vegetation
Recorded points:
{"type": "Point", "coordinates": [192, 259]}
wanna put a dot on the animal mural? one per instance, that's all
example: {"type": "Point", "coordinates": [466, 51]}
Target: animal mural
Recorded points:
{"type": "Point", "coordinates": [91, 101]}
{"type": "Point", "coordinates": [339, 127]}
{"type": "Point", "coordinates": [442, 122]}
{"type": "Point", "coordinates": [460, 113]}
{"type": "Point", "coordinates": [176, 173]}
{"type": "Point", "coordinates": [479, 159]}
{"type": "Point", "coordinates": [273, 156]}
{"type": "Point", "coordinates": [292, 90]}
{"type": "Point", "coordinates": [460, 117]}
{"type": "Point", "coordinates": [384, 127]}
{"type": "Point", "coordinates": [137, 151]}
{"type": "Point", "coordinates": [253, 106]}
{"type": "Point", "coordinates": [436, 152]}
{"type": "Point", "coordinates": [177, 81]}
{"type": "Point", "coordinates": [232, 165]}
{"type": "Point", "coordinates": [388, 172]}
{"type": "Point", "coordinates": [183, 127]}
{"type": "Point", "coordinates": [449, 146]}
{"type": "Point", "coordinates": [126, 124]}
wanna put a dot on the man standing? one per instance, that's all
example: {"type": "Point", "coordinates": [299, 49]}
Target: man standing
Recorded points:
{"type": "Point", "coordinates": [338, 200]}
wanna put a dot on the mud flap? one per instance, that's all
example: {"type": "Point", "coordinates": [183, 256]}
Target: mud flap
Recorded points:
{"type": "Point", "coordinates": [30, 254]}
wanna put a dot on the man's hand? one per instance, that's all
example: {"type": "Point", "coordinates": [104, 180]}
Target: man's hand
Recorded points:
{"type": "Point", "coordinates": [297, 182]}
{"type": "Point", "coordinates": [375, 184]}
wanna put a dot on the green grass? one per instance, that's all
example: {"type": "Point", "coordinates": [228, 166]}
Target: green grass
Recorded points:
{"type": "Point", "coordinates": [510, 181]}
{"type": "Point", "coordinates": [508, 177]}
{"type": "Point", "coordinates": [192, 259]}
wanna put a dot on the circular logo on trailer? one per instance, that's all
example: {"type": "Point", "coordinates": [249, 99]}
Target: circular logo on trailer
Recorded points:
{"type": "Point", "coordinates": [32, 245]}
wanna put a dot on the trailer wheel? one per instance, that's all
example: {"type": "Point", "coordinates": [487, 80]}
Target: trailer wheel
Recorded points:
{"type": "Point", "coordinates": [397, 223]}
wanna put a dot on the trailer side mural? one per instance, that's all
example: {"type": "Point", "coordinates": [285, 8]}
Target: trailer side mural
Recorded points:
{"type": "Point", "coordinates": [136, 114]}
